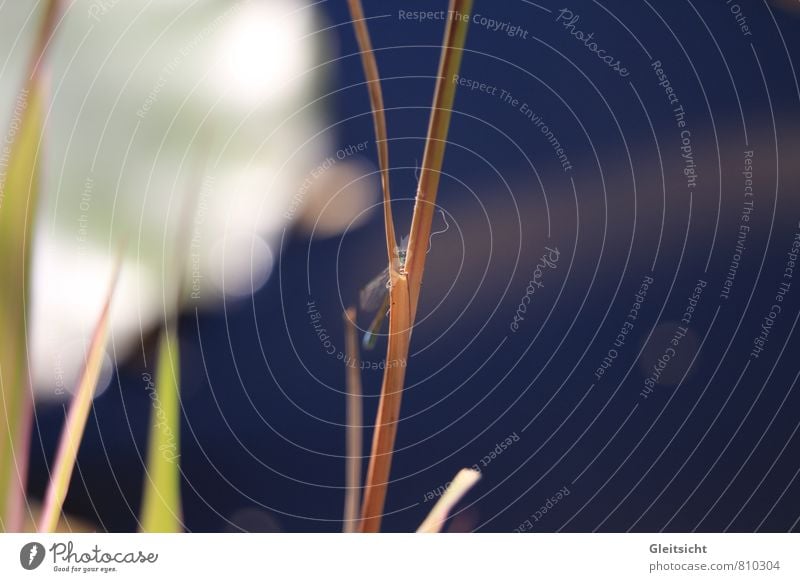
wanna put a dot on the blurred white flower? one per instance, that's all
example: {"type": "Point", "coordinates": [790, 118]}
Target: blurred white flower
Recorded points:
{"type": "Point", "coordinates": [165, 117]}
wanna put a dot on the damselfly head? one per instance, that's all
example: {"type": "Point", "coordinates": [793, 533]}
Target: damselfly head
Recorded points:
{"type": "Point", "coordinates": [401, 252]}
{"type": "Point", "coordinates": [375, 295]}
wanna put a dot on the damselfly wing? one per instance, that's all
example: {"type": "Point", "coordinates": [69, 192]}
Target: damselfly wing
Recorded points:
{"type": "Point", "coordinates": [375, 295]}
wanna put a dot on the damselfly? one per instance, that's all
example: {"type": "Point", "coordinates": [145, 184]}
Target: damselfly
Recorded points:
{"type": "Point", "coordinates": [375, 295]}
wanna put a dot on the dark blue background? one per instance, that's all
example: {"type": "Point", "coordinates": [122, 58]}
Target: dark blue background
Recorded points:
{"type": "Point", "coordinates": [263, 404]}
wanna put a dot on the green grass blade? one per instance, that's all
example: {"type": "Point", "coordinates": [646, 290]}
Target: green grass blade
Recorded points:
{"type": "Point", "coordinates": [18, 194]}
{"type": "Point", "coordinates": [72, 434]}
{"type": "Point", "coordinates": [19, 187]}
{"type": "Point", "coordinates": [161, 504]}
{"type": "Point", "coordinates": [455, 37]}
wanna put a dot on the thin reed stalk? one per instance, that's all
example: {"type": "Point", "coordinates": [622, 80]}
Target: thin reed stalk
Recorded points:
{"type": "Point", "coordinates": [405, 283]}
{"type": "Point", "coordinates": [355, 424]}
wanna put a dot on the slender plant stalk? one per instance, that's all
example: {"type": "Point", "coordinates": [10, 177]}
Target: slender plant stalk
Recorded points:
{"type": "Point", "coordinates": [355, 424]}
{"type": "Point", "coordinates": [380, 461]}
{"type": "Point", "coordinates": [16, 404]}
{"type": "Point", "coordinates": [405, 284]}
{"type": "Point", "coordinates": [162, 506]}
{"type": "Point", "coordinates": [459, 486]}
{"type": "Point", "coordinates": [72, 434]}
{"type": "Point", "coordinates": [425, 205]}
{"type": "Point", "coordinates": [161, 502]}
{"type": "Point", "coordinates": [379, 119]}
{"type": "Point", "coordinates": [18, 204]}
